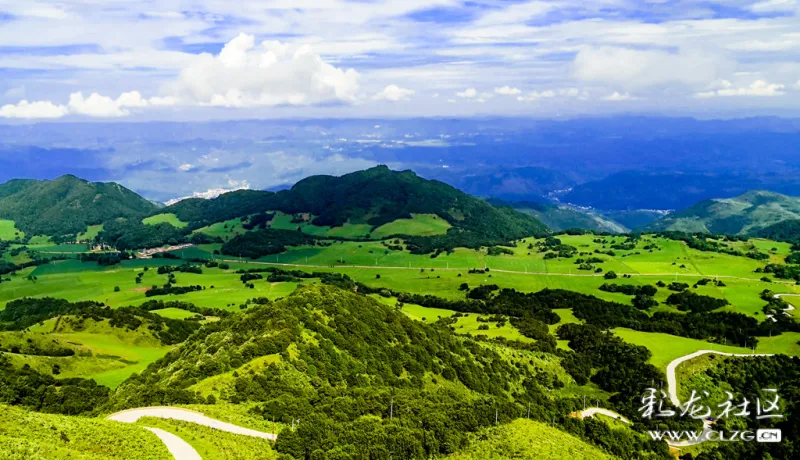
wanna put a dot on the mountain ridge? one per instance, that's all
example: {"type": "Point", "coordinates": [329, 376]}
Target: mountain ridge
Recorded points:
{"type": "Point", "coordinates": [744, 214]}
{"type": "Point", "coordinates": [67, 205]}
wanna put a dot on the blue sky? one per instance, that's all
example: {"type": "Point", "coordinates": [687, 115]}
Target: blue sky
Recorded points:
{"type": "Point", "coordinates": [215, 59]}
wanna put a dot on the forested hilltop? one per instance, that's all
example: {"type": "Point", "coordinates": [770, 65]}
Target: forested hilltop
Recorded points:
{"type": "Point", "coordinates": [65, 206]}
{"type": "Point", "coordinates": [352, 206]}
{"type": "Point", "coordinates": [375, 197]}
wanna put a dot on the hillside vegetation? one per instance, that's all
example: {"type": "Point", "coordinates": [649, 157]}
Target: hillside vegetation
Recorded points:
{"type": "Point", "coordinates": [745, 214]}
{"type": "Point", "coordinates": [526, 439]}
{"type": "Point", "coordinates": [67, 205]}
{"type": "Point", "coordinates": [34, 436]}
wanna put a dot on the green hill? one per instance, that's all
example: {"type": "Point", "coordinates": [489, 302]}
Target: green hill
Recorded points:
{"type": "Point", "coordinates": [745, 214]}
{"type": "Point", "coordinates": [341, 361]}
{"type": "Point", "coordinates": [371, 198]}
{"type": "Point", "coordinates": [67, 205]}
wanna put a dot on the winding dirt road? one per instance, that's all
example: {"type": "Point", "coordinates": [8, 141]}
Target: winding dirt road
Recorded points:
{"type": "Point", "coordinates": [672, 389]}
{"type": "Point", "coordinates": [180, 449]}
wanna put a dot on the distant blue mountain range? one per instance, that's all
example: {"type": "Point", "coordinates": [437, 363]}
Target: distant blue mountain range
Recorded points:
{"type": "Point", "coordinates": [612, 163]}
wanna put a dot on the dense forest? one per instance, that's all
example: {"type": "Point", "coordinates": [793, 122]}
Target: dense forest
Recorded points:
{"type": "Point", "coordinates": [67, 205]}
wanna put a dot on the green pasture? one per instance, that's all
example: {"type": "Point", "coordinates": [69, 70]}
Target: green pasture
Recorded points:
{"type": "Point", "coordinates": [75, 281]}
{"type": "Point", "coordinates": [90, 234]}
{"type": "Point", "coordinates": [165, 218]}
{"type": "Point", "coordinates": [419, 224]}
{"type": "Point", "coordinates": [666, 348]}
{"type": "Point", "coordinates": [9, 230]}
{"type": "Point", "coordinates": [106, 354]}
{"type": "Point", "coordinates": [174, 313]}
{"type": "Point", "coordinates": [225, 230]}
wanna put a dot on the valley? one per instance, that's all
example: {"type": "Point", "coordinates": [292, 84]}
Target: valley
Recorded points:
{"type": "Point", "coordinates": [354, 330]}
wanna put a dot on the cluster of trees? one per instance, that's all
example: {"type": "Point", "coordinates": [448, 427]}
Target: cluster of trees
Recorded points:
{"type": "Point", "coordinates": [130, 234]}
{"type": "Point", "coordinates": [20, 314]}
{"type": "Point", "coordinates": [183, 268]}
{"type": "Point", "coordinates": [40, 392]}
{"type": "Point", "coordinates": [707, 242]}
{"type": "Point", "coordinates": [7, 267]}
{"type": "Point", "coordinates": [787, 230]}
{"type": "Point", "coordinates": [260, 220]}
{"type": "Point", "coordinates": [642, 295]}
{"type": "Point", "coordinates": [265, 242]}
{"type": "Point", "coordinates": [629, 289]}
{"type": "Point", "coordinates": [719, 327]}
{"type": "Point", "coordinates": [748, 378]}
{"type": "Point", "coordinates": [787, 272]}
{"type": "Point", "coordinates": [169, 289]}
{"type": "Point", "coordinates": [105, 258]}
{"type": "Point", "coordinates": [35, 348]}
{"type": "Point", "coordinates": [279, 275]}
{"type": "Point", "coordinates": [695, 303]}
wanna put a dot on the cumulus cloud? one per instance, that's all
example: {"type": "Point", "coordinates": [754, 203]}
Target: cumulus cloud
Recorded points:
{"type": "Point", "coordinates": [725, 88]}
{"type": "Point", "coordinates": [36, 109]}
{"type": "Point", "coordinates": [468, 93]}
{"type": "Point", "coordinates": [637, 69]}
{"type": "Point", "coordinates": [99, 106]}
{"type": "Point", "coordinates": [394, 93]}
{"type": "Point", "coordinates": [534, 96]}
{"type": "Point", "coordinates": [507, 91]}
{"type": "Point", "coordinates": [95, 105]}
{"type": "Point", "coordinates": [617, 96]}
{"type": "Point", "coordinates": [270, 74]}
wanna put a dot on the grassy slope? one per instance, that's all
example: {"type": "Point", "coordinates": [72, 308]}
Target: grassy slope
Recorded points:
{"type": "Point", "coordinates": [743, 214]}
{"type": "Point", "coordinates": [526, 439]}
{"type": "Point", "coordinates": [225, 230]}
{"type": "Point", "coordinates": [419, 224]}
{"type": "Point", "coordinates": [9, 231]}
{"type": "Point", "coordinates": [33, 436]}
{"type": "Point", "coordinates": [106, 354]}
{"type": "Point", "coordinates": [214, 444]}
{"type": "Point", "coordinates": [91, 233]}
{"type": "Point", "coordinates": [174, 313]}
{"type": "Point", "coordinates": [666, 348]}
{"type": "Point", "coordinates": [165, 218]}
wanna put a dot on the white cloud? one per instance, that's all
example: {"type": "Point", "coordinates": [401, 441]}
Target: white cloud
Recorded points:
{"type": "Point", "coordinates": [468, 94]}
{"type": "Point", "coordinates": [775, 6]}
{"type": "Point", "coordinates": [36, 109]}
{"type": "Point", "coordinates": [394, 93]}
{"type": "Point", "coordinates": [185, 167]}
{"type": "Point", "coordinates": [534, 96]}
{"type": "Point", "coordinates": [95, 105]}
{"type": "Point", "coordinates": [637, 69]}
{"type": "Point", "coordinates": [617, 96]}
{"type": "Point", "coordinates": [574, 93]}
{"type": "Point", "coordinates": [725, 88]}
{"type": "Point", "coordinates": [507, 91]}
{"type": "Point", "coordinates": [273, 73]}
